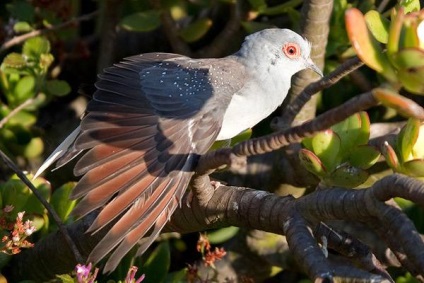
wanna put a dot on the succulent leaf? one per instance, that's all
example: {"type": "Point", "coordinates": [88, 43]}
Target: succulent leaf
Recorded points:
{"type": "Point", "coordinates": [311, 162]}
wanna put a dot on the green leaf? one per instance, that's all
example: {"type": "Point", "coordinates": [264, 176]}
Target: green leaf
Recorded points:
{"type": "Point", "coordinates": [414, 168]}
{"type": "Point", "coordinates": [418, 149]}
{"type": "Point", "coordinates": [33, 205]}
{"type": "Point", "coordinates": [307, 143]}
{"type": "Point", "coordinates": [14, 60]}
{"type": "Point", "coordinates": [22, 27]}
{"type": "Point", "coordinates": [282, 8]}
{"type": "Point", "coordinates": [326, 145]}
{"type": "Point", "coordinates": [363, 156]}
{"type": "Point", "coordinates": [252, 27]}
{"type": "Point", "coordinates": [410, 5]}
{"type": "Point", "coordinates": [409, 37]}
{"type": "Point", "coordinates": [404, 106]}
{"type": "Point", "coordinates": [35, 46]}
{"type": "Point", "coordinates": [378, 25]}
{"type": "Point", "coordinates": [411, 79]}
{"type": "Point", "coordinates": [45, 61]}
{"type": "Point", "coordinates": [220, 144]}
{"type": "Point", "coordinates": [312, 163]}
{"type": "Point", "coordinates": [21, 10]}
{"type": "Point", "coordinates": [177, 276]}
{"type": "Point", "coordinates": [34, 148]}
{"type": "Point", "coordinates": [222, 235]}
{"type": "Point", "coordinates": [350, 132]}
{"type": "Point", "coordinates": [24, 89]}
{"type": "Point", "coordinates": [142, 21]}
{"type": "Point", "coordinates": [364, 132]}
{"type": "Point", "coordinates": [23, 118]}
{"type": "Point", "coordinates": [58, 87]}
{"type": "Point", "coordinates": [65, 278]}
{"type": "Point", "coordinates": [410, 62]}
{"type": "Point", "coordinates": [258, 5]}
{"type": "Point", "coordinates": [157, 264]}
{"type": "Point", "coordinates": [390, 156]}
{"type": "Point", "coordinates": [196, 30]}
{"type": "Point", "coordinates": [243, 136]}
{"type": "Point", "coordinates": [407, 138]}
{"type": "Point", "coordinates": [409, 58]}
{"type": "Point", "coordinates": [23, 136]}
{"type": "Point", "coordinates": [61, 202]}
{"type": "Point", "coordinates": [4, 260]}
{"type": "Point", "coordinates": [366, 46]}
{"type": "Point", "coordinates": [404, 204]}
{"type": "Point", "coordinates": [347, 176]}
{"type": "Point", "coordinates": [15, 193]}
{"type": "Point", "coordinates": [395, 32]}
{"type": "Point", "coordinates": [7, 136]}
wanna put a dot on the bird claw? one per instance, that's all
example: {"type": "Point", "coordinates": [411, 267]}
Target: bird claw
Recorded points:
{"type": "Point", "coordinates": [214, 184]}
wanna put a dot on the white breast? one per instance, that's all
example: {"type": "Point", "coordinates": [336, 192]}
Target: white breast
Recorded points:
{"type": "Point", "coordinates": [249, 106]}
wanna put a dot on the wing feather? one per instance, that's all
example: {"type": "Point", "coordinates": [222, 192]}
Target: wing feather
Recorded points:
{"type": "Point", "coordinates": [150, 116]}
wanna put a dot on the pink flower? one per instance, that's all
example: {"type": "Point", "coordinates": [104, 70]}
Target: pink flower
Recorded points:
{"type": "Point", "coordinates": [131, 275]}
{"type": "Point", "coordinates": [84, 273]}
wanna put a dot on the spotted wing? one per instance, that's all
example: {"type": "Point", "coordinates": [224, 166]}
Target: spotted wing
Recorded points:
{"type": "Point", "coordinates": [150, 117]}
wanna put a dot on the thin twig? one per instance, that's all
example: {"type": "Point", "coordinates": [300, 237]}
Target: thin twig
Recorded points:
{"type": "Point", "coordinates": [277, 140]}
{"type": "Point", "coordinates": [52, 212]}
{"type": "Point", "coordinates": [171, 30]}
{"type": "Point", "coordinates": [21, 38]}
{"type": "Point", "coordinates": [296, 134]}
{"type": "Point", "coordinates": [220, 44]}
{"type": "Point", "coordinates": [383, 5]}
{"type": "Point", "coordinates": [12, 113]}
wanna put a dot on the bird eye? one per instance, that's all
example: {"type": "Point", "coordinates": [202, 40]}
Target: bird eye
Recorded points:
{"type": "Point", "coordinates": [291, 50]}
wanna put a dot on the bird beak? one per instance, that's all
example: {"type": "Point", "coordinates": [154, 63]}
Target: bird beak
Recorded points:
{"type": "Point", "coordinates": [311, 65]}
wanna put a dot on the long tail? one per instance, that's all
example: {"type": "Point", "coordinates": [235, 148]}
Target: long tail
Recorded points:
{"type": "Point", "coordinates": [60, 151]}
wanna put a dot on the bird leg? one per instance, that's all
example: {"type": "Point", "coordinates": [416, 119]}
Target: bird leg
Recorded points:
{"type": "Point", "coordinates": [201, 185]}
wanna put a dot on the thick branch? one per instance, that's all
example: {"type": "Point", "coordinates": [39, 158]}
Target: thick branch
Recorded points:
{"type": "Point", "coordinates": [316, 16]}
{"type": "Point", "coordinates": [171, 31]}
{"type": "Point", "coordinates": [282, 215]}
{"type": "Point", "coordinates": [296, 134]}
{"type": "Point", "coordinates": [111, 10]}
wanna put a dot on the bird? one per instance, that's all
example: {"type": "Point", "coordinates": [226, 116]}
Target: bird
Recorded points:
{"type": "Point", "coordinates": [152, 115]}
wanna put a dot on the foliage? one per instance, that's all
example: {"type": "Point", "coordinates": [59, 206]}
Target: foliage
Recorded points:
{"type": "Point", "coordinates": [407, 153]}
{"type": "Point", "coordinates": [340, 155]}
{"type": "Point", "coordinates": [16, 195]}
{"type": "Point", "coordinates": [23, 83]}
{"type": "Point", "coordinates": [403, 63]}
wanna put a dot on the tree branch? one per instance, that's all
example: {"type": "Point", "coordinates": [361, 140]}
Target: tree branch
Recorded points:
{"type": "Point", "coordinates": [315, 19]}
{"type": "Point", "coordinates": [12, 113]}
{"type": "Point", "coordinates": [110, 15]}
{"type": "Point", "coordinates": [261, 210]}
{"type": "Point", "coordinates": [21, 38]}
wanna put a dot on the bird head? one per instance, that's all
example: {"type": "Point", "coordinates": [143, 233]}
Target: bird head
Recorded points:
{"type": "Point", "coordinates": [276, 49]}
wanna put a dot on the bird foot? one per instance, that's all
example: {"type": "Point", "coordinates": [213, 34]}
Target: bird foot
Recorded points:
{"type": "Point", "coordinates": [214, 184]}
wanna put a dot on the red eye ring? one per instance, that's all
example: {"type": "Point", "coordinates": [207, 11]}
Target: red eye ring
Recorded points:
{"type": "Point", "coordinates": [291, 50]}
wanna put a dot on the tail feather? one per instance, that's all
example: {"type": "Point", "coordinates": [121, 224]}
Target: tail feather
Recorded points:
{"type": "Point", "coordinates": [59, 152]}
